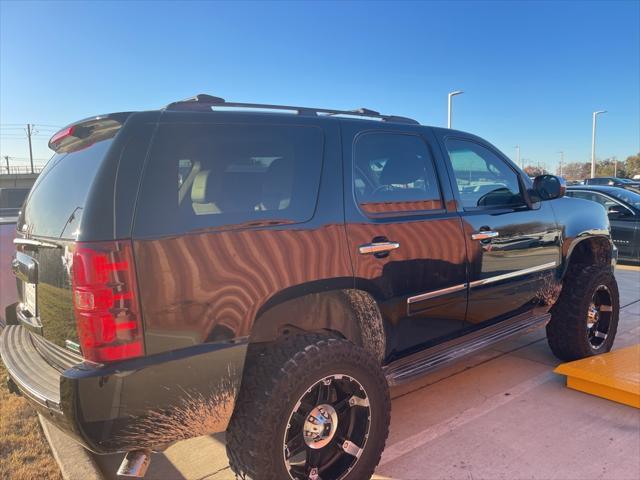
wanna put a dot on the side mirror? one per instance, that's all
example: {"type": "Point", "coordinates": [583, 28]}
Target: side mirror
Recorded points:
{"type": "Point", "coordinates": [549, 187]}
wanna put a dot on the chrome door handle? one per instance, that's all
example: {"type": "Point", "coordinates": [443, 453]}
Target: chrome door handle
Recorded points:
{"type": "Point", "coordinates": [484, 235]}
{"type": "Point", "coordinates": [377, 247]}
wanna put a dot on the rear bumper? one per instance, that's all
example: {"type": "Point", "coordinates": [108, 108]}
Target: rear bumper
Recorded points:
{"type": "Point", "coordinates": [129, 405]}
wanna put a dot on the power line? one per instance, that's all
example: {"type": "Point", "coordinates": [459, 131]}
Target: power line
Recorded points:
{"type": "Point", "coordinates": [21, 125]}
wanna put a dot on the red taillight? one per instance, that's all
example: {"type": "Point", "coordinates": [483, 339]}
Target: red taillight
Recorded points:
{"type": "Point", "coordinates": [105, 301]}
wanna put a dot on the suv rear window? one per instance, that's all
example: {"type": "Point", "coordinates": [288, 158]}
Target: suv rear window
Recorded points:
{"type": "Point", "coordinates": [54, 207]}
{"type": "Point", "coordinates": [204, 175]}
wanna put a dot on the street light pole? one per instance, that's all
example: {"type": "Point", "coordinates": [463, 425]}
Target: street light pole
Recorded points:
{"type": "Point", "coordinates": [451, 95]}
{"type": "Point", "coordinates": [518, 157]}
{"type": "Point", "coordinates": [29, 134]}
{"type": "Point", "coordinates": [593, 142]}
{"type": "Point", "coordinates": [561, 160]}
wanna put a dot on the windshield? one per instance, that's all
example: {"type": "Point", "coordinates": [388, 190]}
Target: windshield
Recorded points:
{"type": "Point", "coordinates": [626, 196]}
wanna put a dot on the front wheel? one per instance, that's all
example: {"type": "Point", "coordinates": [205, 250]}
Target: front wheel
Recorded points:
{"type": "Point", "coordinates": [584, 320]}
{"type": "Point", "coordinates": [310, 408]}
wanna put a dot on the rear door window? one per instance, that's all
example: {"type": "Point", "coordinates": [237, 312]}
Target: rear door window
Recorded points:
{"type": "Point", "coordinates": [394, 173]}
{"type": "Point", "coordinates": [211, 175]}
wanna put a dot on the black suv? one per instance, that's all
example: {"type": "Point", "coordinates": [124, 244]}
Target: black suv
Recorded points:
{"type": "Point", "coordinates": [269, 271]}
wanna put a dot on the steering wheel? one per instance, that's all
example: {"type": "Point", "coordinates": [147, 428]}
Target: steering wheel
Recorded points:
{"type": "Point", "coordinates": [381, 188]}
{"type": "Point", "coordinates": [483, 198]}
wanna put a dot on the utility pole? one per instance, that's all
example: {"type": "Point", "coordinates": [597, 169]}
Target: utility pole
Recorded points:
{"type": "Point", "coordinates": [30, 149]}
{"type": "Point", "coordinates": [561, 160]}
{"type": "Point", "coordinates": [518, 157]}
{"type": "Point", "coordinates": [6, 159]}
{"type": "Point", "coordinates": [615, 167]}
{"type": "Point", "coordinates": [451, 95]}
{"type": "Point", "coordinates": [593, 142]}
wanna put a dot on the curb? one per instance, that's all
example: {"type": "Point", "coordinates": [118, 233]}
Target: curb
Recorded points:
{"type": "Point", "coordinates": [74, 461]}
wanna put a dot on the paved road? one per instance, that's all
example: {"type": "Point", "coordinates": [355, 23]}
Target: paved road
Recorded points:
{"type": "Point", "coordinates": [501, 414]}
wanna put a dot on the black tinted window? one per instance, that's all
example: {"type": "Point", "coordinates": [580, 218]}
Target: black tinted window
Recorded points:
{"type": "Point", "coordinates": [394, 173]}
{"type": "Point", "coordinates": [632, 198]}
{"type": "Point", "coordinates": [232, 174]}
{"type": "Point", "coordinates": [58, 196]}
{"type": "Point", "coordinates": [484, 180]}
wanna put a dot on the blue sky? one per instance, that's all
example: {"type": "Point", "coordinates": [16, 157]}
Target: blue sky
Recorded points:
{"type": "Point", "coordinates": [532, 72]}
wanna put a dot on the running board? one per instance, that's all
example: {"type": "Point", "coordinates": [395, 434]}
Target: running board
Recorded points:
{"type": "Point", "coordinates": [420, 363]}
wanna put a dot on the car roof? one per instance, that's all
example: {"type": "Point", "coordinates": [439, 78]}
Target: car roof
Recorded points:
{"type": "Point", "coordinates": [209, 103]}
{"type": "Point", "coordinates": [595, 188]}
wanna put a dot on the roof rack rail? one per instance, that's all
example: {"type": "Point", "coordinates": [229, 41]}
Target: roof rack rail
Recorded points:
{"type": "Point", "coordinates": [204, 102]}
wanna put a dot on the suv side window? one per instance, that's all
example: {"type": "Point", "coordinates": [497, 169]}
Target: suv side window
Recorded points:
{"type": "Point", "coordinates": [603, 200]}
{"type": "Point", "coordinates": [394, 173]}
{"type": "Point", "coordinates": [484, 180]}
{"type": "Point", "coordinates": [205, 175]}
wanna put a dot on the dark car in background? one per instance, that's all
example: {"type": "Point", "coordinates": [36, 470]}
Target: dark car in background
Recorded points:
{"type": "Point", "coordinates": [623, 209]}
{"type": "Point", "coordinates": [613, 182]}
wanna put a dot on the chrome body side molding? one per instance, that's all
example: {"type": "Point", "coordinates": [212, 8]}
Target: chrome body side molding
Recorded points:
{"type": "Point", "coordinates": [436, 293]}
{"type": "Point", "coordinates": [517, 273]}
{"type": "Point", "coordinates": [478, 283]}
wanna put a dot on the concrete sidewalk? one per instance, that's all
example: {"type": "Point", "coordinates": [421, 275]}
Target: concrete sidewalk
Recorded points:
{"type": "Point", "coordinates": [499, 414]}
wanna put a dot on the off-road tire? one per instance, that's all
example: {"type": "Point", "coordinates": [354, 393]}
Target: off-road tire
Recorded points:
{"type": "Point", "coordinates": [567, 332]}
{"type": "Point", "coordinates": [275, 377]}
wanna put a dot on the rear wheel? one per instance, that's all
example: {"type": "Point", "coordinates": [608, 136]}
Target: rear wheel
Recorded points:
{"type": "Point", "coordinates": [584, 320]}
{"type": "Point", "coordinates": [313, 408]}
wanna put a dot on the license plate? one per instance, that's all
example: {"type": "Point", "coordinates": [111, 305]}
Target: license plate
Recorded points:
{"type": "Point", "coordinates": [30, 298]}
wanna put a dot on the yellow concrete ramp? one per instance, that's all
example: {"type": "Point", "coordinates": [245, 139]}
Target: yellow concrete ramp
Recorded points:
{"type": "Point", "coordinates": [614, 375]}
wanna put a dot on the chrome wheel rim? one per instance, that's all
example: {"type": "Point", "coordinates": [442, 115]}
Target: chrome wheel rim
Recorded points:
{"type": "Point", "coordinates": [599, 317]}
{"type": "Point", "coordinates": [327, 429]}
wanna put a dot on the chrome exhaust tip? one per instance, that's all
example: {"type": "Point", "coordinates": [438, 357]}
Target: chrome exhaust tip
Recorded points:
{"type": "Point", "coordinates": [135, 464]}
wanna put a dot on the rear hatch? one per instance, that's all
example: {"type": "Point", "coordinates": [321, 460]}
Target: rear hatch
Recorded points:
{"type": "Point", "coordinates": [49, 226]}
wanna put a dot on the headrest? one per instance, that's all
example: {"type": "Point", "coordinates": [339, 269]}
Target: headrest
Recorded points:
{"type": "Point", "coordinates": [199, 187]}
{"type": "Point", "coordinates": [277, 184]}
{"type": "Point", "coordinates": [401, 170]}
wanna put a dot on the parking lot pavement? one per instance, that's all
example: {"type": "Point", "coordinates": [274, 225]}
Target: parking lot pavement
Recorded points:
{"type": "Point", "coordinates": [499, 414]}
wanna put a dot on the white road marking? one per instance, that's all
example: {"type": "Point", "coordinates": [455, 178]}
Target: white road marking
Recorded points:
{"type": "Point", "coordinates": [397, 450]}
